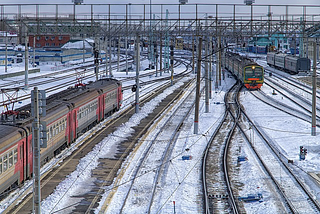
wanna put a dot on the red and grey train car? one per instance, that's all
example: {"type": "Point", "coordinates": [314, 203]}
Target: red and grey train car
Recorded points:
{"type": "Point", "coordinates": [246, 70]}
{"type": "Point", "coordinates": [69, 113]}
{"type": "Point", "coordinates": [288, 63]}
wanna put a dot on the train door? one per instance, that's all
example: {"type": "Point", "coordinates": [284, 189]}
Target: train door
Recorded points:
{"type": "Point", "coordinates": [102, 106]}
{"type": "Point", "coordinates": [28, 152]}
{"type": "Point", "coordinates": [23, 159]}
{"type": "Point", "coordinates": [119, 100]}
{"type": "Point", "coordinates": [72, 126]}
{"type": "Point", "coordinates": [74, 123]}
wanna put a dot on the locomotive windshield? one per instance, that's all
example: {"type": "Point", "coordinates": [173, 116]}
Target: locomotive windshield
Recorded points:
{"type": "Point", "coordinates": [254, 71]}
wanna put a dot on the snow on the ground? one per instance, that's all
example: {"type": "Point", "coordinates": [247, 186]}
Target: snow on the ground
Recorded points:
{"type": "Point", "coordinates": [185, 186]}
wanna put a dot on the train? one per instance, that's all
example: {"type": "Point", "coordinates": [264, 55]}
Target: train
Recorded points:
{"type": "Point", "coordinates": [288, 63]}
{"type": "Point", "coordinates": [246, 70]}
{"type": "Point", "coordinates": [69, 113]}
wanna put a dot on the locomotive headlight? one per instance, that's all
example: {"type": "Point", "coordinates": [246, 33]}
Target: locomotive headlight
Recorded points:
{"type": "Point", "coordinates": [253, 67]}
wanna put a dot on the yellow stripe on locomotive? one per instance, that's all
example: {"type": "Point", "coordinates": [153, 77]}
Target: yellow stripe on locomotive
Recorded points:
{"type": "Point", "coordinates": [253, 76]}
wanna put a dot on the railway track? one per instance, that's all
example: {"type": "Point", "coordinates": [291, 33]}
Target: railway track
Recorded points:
{"type": "Point", "coordinates": [296, 94]}
{"type": "Point", "coordinates": [220, 198]}
{"type": "Point", "coordinates": [158, 153]}
{"type": "Point", "coordinates": [63, 79]}
{"type": "Point", "coordinates": [61, 82]}
{"type": "Point", "coordinates": [296, 195]}
{"type": "Point", "coordinates": [52, 178]}
{"type": "Point", "coordinates": [219, 193]}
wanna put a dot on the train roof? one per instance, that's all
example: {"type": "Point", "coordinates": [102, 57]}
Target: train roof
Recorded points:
{"type": "Point", "coordinates": [6, 130]}
{"type": "Point", "coordinates": [243, 59]}
{"type": "Point", "coordinates": [71, 94]}
{"type": "Point", "coordinates": [8, 134]}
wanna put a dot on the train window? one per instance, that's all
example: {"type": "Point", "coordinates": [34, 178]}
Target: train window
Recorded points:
{"type": "Point", "coordinates": [15, 156]}
{"type": "Point", "coordinates": [0, 165]}
{"type": "Point", "coordinates": [249, 71]}
{"type": "Point", "coordinates": [5, 162]}
{"type": "Point", "coordinates": [51, 132]}
{"type": "Point", "coordinates": [48, 136]}
{"type": "Point", "coordinates": [258, 71]}
{"type": "Point", "coordinates": [62, 125]}
{"type": "Point", "coordinates": [10, 159]}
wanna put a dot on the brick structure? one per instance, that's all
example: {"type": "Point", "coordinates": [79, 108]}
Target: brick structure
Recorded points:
{"type": "Point", "coordinates": [49, 41]}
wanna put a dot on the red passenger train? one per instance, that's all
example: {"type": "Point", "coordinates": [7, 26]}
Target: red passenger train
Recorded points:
{"type": "Point", "coordinates": [69, 113]}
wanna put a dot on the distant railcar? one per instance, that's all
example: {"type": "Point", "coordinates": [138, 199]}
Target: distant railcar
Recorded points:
{"type": "Point", "coordinates": [288, 63]}
{"type": "Point", "coordinates": [246, 70]}
{"type": "Point", "coordinates": [69, 113]}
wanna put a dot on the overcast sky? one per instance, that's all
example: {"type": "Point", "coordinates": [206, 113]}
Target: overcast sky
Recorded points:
{"type": "Point", "coordinates": [137, 10]}
{"type": "Point", "coordinates": [264, 2]}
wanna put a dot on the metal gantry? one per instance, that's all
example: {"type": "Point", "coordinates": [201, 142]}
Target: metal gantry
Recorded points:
{"type": "Point", "coordinates": [232, 20]}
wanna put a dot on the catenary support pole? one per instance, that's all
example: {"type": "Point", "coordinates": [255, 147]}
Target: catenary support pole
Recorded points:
{"type": "Point", "coordinates": [26, 63]}
{"type": "Point", "coordinates": [137, 44]}
{"type": "Point", "coordinates": [96, 62]}
{"type": "Point", "coordinates": [196, 112]}
{"type": "Point", "coordinates": [160, 54]}
{"type": "Point", "coordinates": [314, 89]}
{"type": "Point", "coordinates": [118, 63]}
{"type": "Point", "coordinates": [210, 67]}
{"type": "Point", "coordinates": [110, 56]}
{"type": "Point", "coordinates": [36, 152]}
{"type": "Point", "coordinates": [83, 51]}
{"type": "Point", "coordinates": [126, 44]}
{"type": "Point", "coordinates": [171, 61]}
{"type": "Point", "coordinates": [34, 51]}
{"type": "Point", "coordinates": [193, 54]}
{"type": "Point", "coordinates": [219, 65]}
{"type": "Point", "coordinates": [106, 48]}
{"type": "Point", "coordinates": [206, 80]}
{"type": "Point", "coordinates": [6, 54]}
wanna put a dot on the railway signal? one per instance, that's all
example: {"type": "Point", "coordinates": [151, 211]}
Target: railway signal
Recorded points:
{"type": "Point", "coordinates": [38, 108]}
{"type": "Point", "coordinates": [303, 153]}
{"type": "Point", "coordinates": [134, 88]}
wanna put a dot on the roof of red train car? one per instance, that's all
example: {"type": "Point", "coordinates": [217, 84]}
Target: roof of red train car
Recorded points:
{"type": "Point", "coordinates": [8, 136]}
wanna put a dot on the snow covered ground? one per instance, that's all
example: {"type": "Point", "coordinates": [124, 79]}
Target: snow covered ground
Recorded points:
{"type": "Point", "coordinates": [183, 184]}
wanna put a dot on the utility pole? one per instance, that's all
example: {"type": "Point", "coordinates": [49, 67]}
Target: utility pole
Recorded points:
{"type": "Point", "coordinates": [196, 116]}
{"type": "Point", "coordinates": [314, 89]}
{"type": "Point", "coordinates": [137, 72]}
